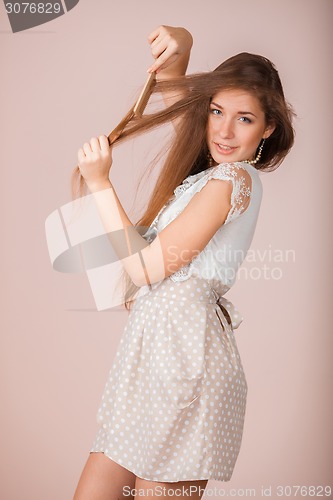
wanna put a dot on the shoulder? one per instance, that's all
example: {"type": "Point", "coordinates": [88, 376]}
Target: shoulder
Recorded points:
{"type": "Point", "coordinates": [236, 174]}
{"type": "Point", "coordinates": [230, 170]}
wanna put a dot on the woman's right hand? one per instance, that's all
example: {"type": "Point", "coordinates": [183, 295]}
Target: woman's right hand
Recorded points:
{"type": "Point", "coordinates": [171, 49]}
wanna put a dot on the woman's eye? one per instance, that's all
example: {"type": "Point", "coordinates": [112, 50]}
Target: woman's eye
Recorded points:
{"type": "Point", "coordinates": [245, 119]}
{"type": "Point", "coordinates": [215, 111]}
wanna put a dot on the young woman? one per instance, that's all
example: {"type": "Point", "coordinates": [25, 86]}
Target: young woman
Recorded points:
{"type": "Point", "coordinates": [173, 409]}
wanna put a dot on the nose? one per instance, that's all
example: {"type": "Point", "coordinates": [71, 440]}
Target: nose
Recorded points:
{"type": "Point", "coordinates": [226, 129]}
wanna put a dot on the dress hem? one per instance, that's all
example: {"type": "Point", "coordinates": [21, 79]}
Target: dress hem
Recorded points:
{"type": "Point", "coordinates": [161, 480]}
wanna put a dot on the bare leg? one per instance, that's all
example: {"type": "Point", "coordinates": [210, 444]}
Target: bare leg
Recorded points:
{"type": "Point", "coordinates": [103, 479]}
{"type": "Point", "coordinates": [178, 490]}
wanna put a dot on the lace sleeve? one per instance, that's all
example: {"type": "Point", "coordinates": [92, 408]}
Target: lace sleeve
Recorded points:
{"type": "Point", "coordinates": [241, 186]}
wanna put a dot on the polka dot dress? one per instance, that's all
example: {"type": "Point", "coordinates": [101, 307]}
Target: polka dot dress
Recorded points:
{"type": "Point", "coordinates": [174, 403]}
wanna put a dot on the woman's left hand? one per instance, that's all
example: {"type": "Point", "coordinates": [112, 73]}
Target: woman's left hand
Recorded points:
{"type": "Point", "coordinates": [95, 160]}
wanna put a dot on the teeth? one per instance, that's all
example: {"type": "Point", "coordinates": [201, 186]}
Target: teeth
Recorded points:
{"type": "Point", "coordinates": [224, 147]}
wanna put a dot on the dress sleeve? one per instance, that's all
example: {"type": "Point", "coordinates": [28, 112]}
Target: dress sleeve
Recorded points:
{"type": "Point", "coordinates": [241, 186]}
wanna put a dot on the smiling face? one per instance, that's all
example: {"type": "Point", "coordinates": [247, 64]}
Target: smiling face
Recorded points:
{"type": "Point", "coordinates": [236, 125]}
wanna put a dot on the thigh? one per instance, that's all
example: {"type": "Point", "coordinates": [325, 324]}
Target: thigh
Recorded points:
{"type": "Point", "coordinates": [179, 490]}
{"type": "Point", "coordinates": [104, 479]}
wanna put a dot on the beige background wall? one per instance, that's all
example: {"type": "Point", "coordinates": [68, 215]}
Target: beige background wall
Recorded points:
{"type": "Point", "coordinates": [73, 78]}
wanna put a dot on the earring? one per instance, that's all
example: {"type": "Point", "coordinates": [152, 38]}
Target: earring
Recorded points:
{"type": "Point", "coordinates": [210, 160]}
{"type": "Point", "coordinates": [257, 158]}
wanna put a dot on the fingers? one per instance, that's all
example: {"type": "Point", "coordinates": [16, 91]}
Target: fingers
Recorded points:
{"type": "Point", "coordinates": [167, 57]}
{"type": "Point", "coordinates": [87, 148]}
{"type": "Point", "coordinates": [154, 34]}
{"type": "Point", "coordinates": [169, 44]}
{"type": "Point", "coordinates": [164, 50]}
{"type": "Point", "coordinates": [160, 40]}
{"type": "Point", "coordinates": [159, 44]}
{"type": "Point", "coordinates": [104, 143]}
{"type": "Point", "coordinates": [96, 144]}
{"type": "Point", "coordinates": [81, 155]}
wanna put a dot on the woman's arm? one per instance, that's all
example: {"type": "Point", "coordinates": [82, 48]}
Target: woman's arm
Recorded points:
{"type": "Point", "coordinates": [171, 49]}
{"type": "Point", "coordinates": [176, 245]}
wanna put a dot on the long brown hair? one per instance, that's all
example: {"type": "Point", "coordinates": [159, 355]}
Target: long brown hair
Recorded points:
{"type": "Point", "coordinates": [250, 72]}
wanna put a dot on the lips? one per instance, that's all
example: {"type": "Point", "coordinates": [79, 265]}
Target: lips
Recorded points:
{"type": "Point", "coordinates": [224, 148]}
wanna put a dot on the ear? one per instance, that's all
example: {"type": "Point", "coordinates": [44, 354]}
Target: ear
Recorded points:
{"type": "Point", "coordinates": [269, 130]}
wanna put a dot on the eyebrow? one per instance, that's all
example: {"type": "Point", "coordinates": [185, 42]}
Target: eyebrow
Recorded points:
{"type": "Point", "coordinates": [239, 112]}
